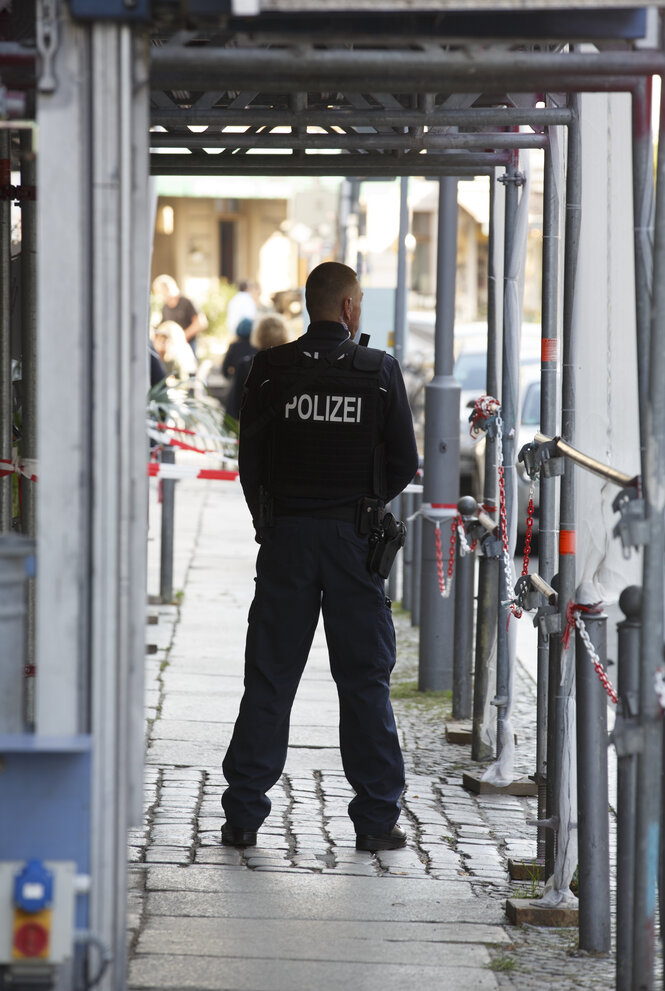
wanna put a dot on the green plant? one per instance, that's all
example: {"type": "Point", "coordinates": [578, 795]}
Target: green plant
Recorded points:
{"type": "Point", "coordinates": [175, 405]}
{"type": "Point", "coordinates": [575, 882]}
{"type": "Point", "coordinates": [502, 963]}
{"type": "Point", "coordinates": [533, 886]}
{"type": "Point", "coordinates": [408, 691]}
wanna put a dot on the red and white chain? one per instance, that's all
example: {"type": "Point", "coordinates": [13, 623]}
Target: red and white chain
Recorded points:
{"type": "Point", "coordinates": [574, 613]}
{"type": "Point", "coordinates": [507, 562]}
{"type": "Point", "coordinates": [659, 687]}
{"type": "Point", "coordinates": [445, 587]}
{"type": "Point", "coordinates": [464, 545]}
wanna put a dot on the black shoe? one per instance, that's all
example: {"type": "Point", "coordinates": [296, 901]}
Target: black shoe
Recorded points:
{"type": "Point", "coordinates": [395, 839]}
{"type": "Point", "coordinates": [235, 836]}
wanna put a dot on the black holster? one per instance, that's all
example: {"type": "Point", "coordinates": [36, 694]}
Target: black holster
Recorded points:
{"type": "Point", "coordinates": [384, 542]}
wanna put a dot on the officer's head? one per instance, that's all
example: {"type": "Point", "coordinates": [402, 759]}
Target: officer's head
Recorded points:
{"type": "Point", "coordinates": [332, 292]}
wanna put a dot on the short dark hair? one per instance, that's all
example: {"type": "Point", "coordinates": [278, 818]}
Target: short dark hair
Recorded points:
{"type": "Point", "coordinates": [327, 285]}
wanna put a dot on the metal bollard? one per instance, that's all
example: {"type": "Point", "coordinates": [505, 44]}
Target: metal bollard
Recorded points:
{"type": "Point", "coordinates": [592, 797]}
{"type": "Point", "coordinates": [625, 729]}
{"type": "Point", "coordinates": [463, 656]}
{"type": "Point", "coordinates": [168, 524]}
{"type": "Point", "coordinates": [407, 553]}
{"type": "Point", "coordinates": [416, 567]}
{"type": "Point", "coordinates": [16, 566]}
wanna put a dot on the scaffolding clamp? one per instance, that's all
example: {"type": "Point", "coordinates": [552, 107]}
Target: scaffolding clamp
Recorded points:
{"type": "Point", "coordinates": [627, 735]}
{"type": "Point", "coordinates": [530, 588]}
{"type": "Point", "coordinates": [541, 458]}
{"type": "Point", "coordinates": [19, 194]}
{"type": "Point", "coordinates": [548, 620]}
{"type": "Point", "coordinates": [632, 528]}
{"type": "Point", "coordinates": [517, 178]}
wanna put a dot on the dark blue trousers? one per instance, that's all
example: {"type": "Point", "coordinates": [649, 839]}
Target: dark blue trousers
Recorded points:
{"type": "Point", "coordinates": [306, 566]}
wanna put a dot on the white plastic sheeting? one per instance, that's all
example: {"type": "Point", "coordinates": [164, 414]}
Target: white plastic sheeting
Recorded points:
{"type": "Point", "coordinates": [606, 410]}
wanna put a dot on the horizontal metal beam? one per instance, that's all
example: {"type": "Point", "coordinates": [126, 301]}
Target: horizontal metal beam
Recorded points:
{"type": "Point", "coordinates": [277, 70]}
{"type": "Point", "coordinates": [346, 162]}
{"type": "Point", "coordinates": [378, 117]}
{"type": "Point", "coordinates": [370, 142]}
{"type": "Point", "coordinates": [311, 165]}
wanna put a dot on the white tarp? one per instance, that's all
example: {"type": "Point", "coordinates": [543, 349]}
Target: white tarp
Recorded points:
{"type": "Point", "coordinates": [606, 406]}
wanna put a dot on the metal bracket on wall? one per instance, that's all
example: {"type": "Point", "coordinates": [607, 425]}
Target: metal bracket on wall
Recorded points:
{"type": "Point", "coordinates": [47, 43]}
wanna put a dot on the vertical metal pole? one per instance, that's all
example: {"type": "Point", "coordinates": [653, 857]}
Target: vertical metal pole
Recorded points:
{"type": "Point", "coordinates": [168, 524]}
{"type": "Point", "coordinates": [509, 390]}
{"type": "Point", "coordinates": [643, 205]}
{"type": "Point", "coordinates": [650, 717]}
{"type": "Point", "coordinates": [630, 602]}
{"type": "Point", "coordinates": [407, 553]}
{"type": "Point", "coordinates": [545, 750]}
{"type": "Point", "coordinates": [400, 342]}
{"type": "Point", "coordinates": [442, 400]}
{"type": "Point", "coordinates": [592, 801]}
{"type": "Point", "coordinates": [488, 566]}
{"type": "Point", "coordinates": [5, 336]}
{"type": "Point", "coordinates": [561, 683]}
{"type": "Point", "coordinates": [416, 566]}
{"type": "Point", "coordinates": [15, 550]}
{"type": "Point", "coordinates": [29, 384]}
{"type": "Point", "coordinates": [464, 582]}
{"type": "Point", "coordinates": [555, 743]}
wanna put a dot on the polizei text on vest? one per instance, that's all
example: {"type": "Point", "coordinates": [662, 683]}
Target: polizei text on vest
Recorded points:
{"type": "Point", "coordinates": [330, 409]}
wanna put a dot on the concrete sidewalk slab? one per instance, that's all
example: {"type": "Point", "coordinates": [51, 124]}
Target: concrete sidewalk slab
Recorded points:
{"type": "Point", "coordinates": [208, 973]}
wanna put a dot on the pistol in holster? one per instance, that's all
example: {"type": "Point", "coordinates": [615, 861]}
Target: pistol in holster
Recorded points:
{"type": "Point", "coordinates": [385, 540]}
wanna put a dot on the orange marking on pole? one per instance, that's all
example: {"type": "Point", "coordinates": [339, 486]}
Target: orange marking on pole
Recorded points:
{"type": "Point", "coordinates": [567, 542]}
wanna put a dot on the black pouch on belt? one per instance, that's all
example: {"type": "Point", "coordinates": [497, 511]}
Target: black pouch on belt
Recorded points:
{"type": "Point", "coordinates": [384, 542]}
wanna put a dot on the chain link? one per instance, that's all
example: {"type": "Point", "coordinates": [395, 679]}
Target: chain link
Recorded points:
{"type": "Point", "coordinates": [529, 528]}
{"type": "Point", "coordinates": [503, 523]}
{"type": "Point", "coordinates": [445, 587]}
{"type": "Point", "coordinates": [594, 658]}
{"type": "Point", "coordinates": [659, 687]}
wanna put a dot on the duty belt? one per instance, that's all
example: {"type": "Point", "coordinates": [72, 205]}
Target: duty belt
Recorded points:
{"type": "Point", "coordinates": [345, 514]}
{"type": "Point", "coordinates": [367, 514]}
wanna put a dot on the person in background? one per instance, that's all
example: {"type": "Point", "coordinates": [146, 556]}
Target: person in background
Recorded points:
{"type": "Point", "coordinates": [239, 348]}
{"type": "Point", "coordinates": [157, 370]}
{"type": "Point", "coordinates": [268, 332]}
{"type": "Point", "coordinates": [241, 306]}
{"type": "Point", "coordinates": [179, 308]}
{"type": "Point", "coordinates": [176, 354]}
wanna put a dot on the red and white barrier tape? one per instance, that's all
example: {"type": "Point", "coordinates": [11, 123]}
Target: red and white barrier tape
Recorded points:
{"type": "Point", "coordinates": [216, 441]}
{"type": "Point", "coordinates": [182, 446]}
{"type": "Point", "coordinates": [157, 469]}
{"type": "Point", "coordinates": [25, 467]}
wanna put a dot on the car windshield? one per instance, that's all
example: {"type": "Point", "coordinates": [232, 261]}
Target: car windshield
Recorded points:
{"type": "Point", "coordinates": [531, 406]}
{"type": "Point", "coordinates": [470, 370]}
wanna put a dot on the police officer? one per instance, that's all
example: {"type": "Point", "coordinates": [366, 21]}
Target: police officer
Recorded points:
{"type": "Point", "coordinates": [326, 438]}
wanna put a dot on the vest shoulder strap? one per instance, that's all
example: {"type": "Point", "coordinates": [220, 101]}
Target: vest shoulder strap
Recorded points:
{"type": "Point", "coordinates": [368, 359]}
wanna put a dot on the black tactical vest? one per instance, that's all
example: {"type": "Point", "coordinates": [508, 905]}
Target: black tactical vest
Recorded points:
{"type": "Point", "coordinates": [326, 432]}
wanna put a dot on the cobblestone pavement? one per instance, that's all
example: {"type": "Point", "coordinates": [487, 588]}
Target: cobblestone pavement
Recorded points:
{"type": "Point", "coordinates": [454, 836]}
{"type": "Point", "coordinates": [486, 831]}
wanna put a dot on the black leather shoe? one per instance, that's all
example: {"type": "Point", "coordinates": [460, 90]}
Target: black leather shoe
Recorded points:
{"type": "Point", "coordinates": [235, 836]}
{"type": "Point", "coordinates": [395, 839]}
